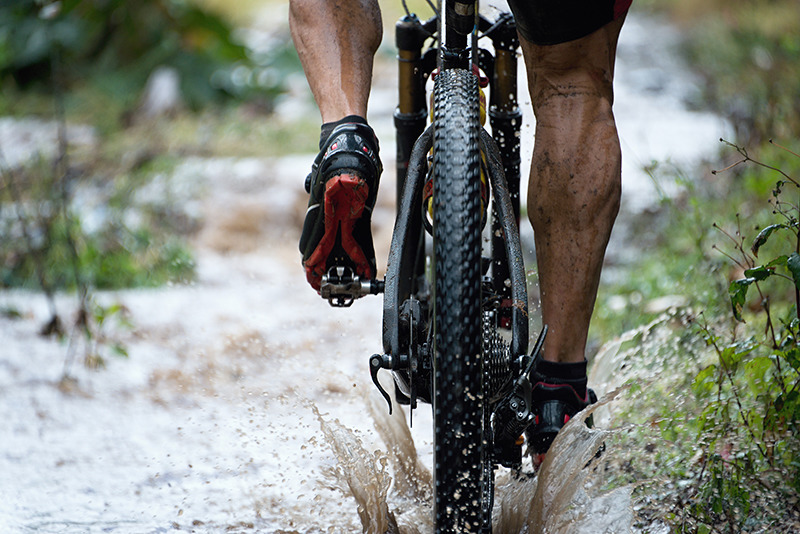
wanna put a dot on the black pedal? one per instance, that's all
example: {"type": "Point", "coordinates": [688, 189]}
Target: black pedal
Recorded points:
{"type": "Point", "coordinates": [341, 287]}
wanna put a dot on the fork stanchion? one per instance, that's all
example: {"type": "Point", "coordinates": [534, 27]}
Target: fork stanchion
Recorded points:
{"type": "Point", "coordinates": [505, 119]}
{"type": "Point", "coordinates": [411, 114]}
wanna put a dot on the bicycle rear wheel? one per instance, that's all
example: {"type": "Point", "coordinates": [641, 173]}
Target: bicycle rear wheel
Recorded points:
{"type": "Point", "coordinates": [460, 477]}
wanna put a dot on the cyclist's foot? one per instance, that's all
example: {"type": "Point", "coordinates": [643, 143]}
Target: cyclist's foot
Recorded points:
{"type": "Point", "coordinates": [559, 392]}
{"type": "Point", "coordinates": [343, 184]}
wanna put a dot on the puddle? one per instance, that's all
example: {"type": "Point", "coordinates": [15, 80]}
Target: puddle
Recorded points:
{"type": "Point", "coordinates": [554, 500]}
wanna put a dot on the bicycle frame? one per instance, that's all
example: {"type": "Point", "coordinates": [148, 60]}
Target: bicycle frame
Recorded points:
{"type": "Point", "coordinates": [410, 118]}
{"type": "Point", "coordinates": [407, 331]}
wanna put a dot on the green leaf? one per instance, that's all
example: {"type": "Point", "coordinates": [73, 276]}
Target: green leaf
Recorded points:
{"type": "Point", "coordinates": [731, 357]}
{"type": "Point", "coordinates": [763, 236]}
{"type": "Point", "coordinates": [738, 293]}
{"type": "Point", "coordinates": [793, 264]}
{"type": "Point", "coordinates": [788, 406]}
{"type": "Point", "coordinates": [705, 381]}
{"type": "Point", "coordinates": [793, 357]}
{"type": "Point", "coordinates": [759, 273]}
{"type": "Point", "coordinates": [780, 260]}
{"type": "Point", "coordinates": [756, 371]}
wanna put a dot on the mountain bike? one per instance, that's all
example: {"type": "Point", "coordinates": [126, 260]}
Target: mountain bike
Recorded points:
{"type": "Point", "coordinates": [455, 313]}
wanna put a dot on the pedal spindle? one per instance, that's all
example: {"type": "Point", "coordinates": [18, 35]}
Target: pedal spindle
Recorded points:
{"type": "Point", "coordinates": [340, 287]}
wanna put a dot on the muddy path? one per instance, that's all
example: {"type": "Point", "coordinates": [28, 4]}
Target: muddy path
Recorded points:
{"type": "Point", "coordinates": [245, 404]}
{"type": "Point", "coordinates": [208, 422]}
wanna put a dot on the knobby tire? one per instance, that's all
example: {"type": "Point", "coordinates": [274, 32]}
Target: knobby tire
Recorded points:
{"type": "Point", "coordinates": [461, 482]}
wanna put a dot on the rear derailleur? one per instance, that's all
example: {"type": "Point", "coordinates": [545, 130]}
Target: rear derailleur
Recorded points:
{"type": "Point", "coordinates": [508, 383]}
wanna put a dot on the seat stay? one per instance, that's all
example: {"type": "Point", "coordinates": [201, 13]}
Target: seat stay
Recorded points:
{"type": "Point", "coordinates": [513, 248]}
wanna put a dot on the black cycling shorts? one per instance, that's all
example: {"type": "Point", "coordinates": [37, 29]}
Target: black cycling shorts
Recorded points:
{"type": "Point", "coordinates": [548, 22]}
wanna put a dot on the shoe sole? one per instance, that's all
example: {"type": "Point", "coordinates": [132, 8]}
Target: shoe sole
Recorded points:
{"type": "Point", "coordinates": [345, 201]}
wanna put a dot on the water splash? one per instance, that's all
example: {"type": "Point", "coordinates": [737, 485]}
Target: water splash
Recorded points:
{"type": "Point", "coordinates": [361, 475]}
{"type": "Point", "coordinates": [556, 500]}
{"type": "Point", "coordinates": [413, 486]}
{"type": "Point", "coordinates": [412, 478]}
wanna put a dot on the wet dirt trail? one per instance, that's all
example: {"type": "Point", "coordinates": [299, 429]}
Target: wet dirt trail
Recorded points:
{"type": "Point", "coordinates": [245, 403]}
{"type": "Point", "coordinates": [208, 424]}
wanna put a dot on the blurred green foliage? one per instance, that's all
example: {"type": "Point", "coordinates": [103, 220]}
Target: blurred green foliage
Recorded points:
{"type": "Point", "coordinates": [716, 440]}
{"type": "Point", "coordinates": [113, 258]}
{"type": "Point", "coordinates": [102, 215]}
{"type": "Point", "coordinates": [751, 77]}
{"type": "Point", "coordinates": [748, 53]}
{"type": "Point", "coordinates": [47, 244]}
{"type": "Point", "coordinates": [118, 44]}
{"type": "Point", "coordinates": [92, 59]}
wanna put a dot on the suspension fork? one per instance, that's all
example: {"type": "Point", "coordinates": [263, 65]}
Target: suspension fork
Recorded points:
{"type": "Point", "coordinates": [505, 118]}
{"type": "Point", "coordinates": [411, 113]}
{"type": "Point", "coordinates": [410, 117]}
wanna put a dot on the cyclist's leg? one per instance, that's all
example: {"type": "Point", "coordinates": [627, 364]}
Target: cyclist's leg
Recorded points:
{"type": "Point", "coordinates": [336, 41]}
{"type": "Point", "coordinates": [575, 179]}
{"type": "Point", "coordinates": [574, 190]}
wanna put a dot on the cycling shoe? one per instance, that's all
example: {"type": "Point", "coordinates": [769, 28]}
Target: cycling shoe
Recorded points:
{"type": "Point", "coordinates": [343, 185]}
{"type": "Point", "coordinates": [555, 401]}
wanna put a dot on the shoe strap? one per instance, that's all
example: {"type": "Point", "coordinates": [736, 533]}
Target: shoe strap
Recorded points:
{"type": "Point", "coordinates": [353, 143]}
{"type": "Point", "coordinates": [356, 141]}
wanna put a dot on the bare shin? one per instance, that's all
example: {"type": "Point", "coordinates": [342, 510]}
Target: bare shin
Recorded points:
{"type": "Point", "coordinates": [574, 187]}
{"type": "Point", "coordinates": [336, 41]}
